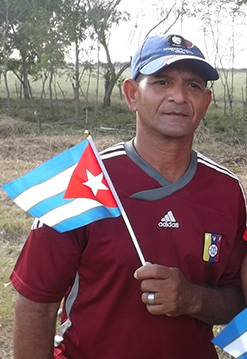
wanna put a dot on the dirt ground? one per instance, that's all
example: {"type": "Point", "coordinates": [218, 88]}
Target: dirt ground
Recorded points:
{"type": "Point", "coordinates": [19, 153]}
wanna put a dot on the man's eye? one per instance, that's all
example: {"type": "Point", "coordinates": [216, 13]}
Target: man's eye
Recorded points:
{"type": "Point", "coordinates": [195, 85]}
{"type": "Point", "coordinates": [161, 82]}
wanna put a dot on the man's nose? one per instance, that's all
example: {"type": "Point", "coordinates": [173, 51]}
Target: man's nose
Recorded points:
{"type": "Point", "coordinates": [177, 94]}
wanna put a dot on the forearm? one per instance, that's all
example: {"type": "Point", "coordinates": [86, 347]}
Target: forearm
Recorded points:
{"type": "Point", "coordinates": [215, 306]}
{"type": "Point", "coordinates": [34, 329]}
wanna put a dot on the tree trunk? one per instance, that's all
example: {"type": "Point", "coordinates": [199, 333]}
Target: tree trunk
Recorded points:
{"type": "Point", "coordinates": [109, 84]}
{"type": "Point", "coordinates": [97, 85]}
{"type": "Point", "coordinates": [44, 79]}
{"type": "Point", "coordinates": [6, 88]}
{"type": "Point", "coordinates": [50, 88]}
{"type": "Point", "coordinates": [108, 91]}
{"type": "Point", "coordinates": [25, 76]}
{"type": "Point", "coordinates": [77, 74]}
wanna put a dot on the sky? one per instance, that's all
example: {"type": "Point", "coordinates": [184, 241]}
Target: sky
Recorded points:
{"type": "Point", "coordinates": [126, 37]}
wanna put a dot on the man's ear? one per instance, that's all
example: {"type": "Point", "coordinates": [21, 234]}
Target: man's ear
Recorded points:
{"type": "Point", "coordinates": [130, 88]}
{"type": "Point", "coordinates": [209, 98]}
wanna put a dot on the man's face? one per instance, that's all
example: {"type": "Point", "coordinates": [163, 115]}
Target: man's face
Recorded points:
{"type": "Point", "coordinates": [171, 102]}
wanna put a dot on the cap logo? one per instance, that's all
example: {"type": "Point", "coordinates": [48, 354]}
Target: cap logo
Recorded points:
{"type": "Point", "coordinates": [176, 40]}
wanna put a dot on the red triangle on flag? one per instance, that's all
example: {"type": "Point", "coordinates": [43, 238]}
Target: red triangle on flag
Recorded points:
{"type": "Point", "coordinates": [88, 166]}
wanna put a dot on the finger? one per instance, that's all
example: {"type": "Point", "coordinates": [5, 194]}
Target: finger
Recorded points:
{"type": "Point", "coordinates": [153, 304]}
{"type": "Point", "coordinates": [149, 298]}
{"type": "Point", "coordinates": [152, 285]}
{"type": "Point", "coordinates": [159, 309]}
{"type": "Point", "coordinates": [158, 305]}
{"type": "Point", "coordinates": [152, 271]}
{"type": "Point", "coordinates": [159, 298]}
{"type": "Point", "coordinates": [136, 271]}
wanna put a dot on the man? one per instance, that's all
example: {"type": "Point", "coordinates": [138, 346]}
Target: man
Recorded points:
{"type": "Point", "coordinates": [188, 214]}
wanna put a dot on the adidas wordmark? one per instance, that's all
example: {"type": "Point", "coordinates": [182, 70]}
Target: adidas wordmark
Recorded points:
{"type": "Point", "coordinates": [168, 221]}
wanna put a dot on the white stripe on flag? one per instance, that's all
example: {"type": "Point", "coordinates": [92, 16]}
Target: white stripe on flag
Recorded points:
{"type": "Point", "coordinates": [44, 190]}
{"type": "Point", "coordinates": [238, 347]}
{"type": "Point", "coordinates": [69, 210]}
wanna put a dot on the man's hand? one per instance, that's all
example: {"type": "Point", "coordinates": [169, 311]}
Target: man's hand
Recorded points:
{"type": "Point", "coordinates": [174, 295]}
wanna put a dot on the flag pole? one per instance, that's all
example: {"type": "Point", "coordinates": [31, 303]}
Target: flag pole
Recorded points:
{"type": "Point", "coordinates": [115, 195]}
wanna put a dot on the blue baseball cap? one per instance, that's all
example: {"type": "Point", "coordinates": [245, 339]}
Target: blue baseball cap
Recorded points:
{"type": "Point", "coordinates": [158, 52]}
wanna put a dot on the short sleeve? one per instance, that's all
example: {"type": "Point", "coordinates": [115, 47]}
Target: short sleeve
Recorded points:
{"type": "Point", "coordinates": [48, 263]}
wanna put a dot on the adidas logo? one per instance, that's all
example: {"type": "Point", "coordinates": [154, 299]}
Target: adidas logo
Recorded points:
{"type": "Point", "coordinates": [168, 221]}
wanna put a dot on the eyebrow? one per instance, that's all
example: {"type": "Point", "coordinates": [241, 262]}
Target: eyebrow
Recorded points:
{"type": "Point", "coordinates": [191, 77]}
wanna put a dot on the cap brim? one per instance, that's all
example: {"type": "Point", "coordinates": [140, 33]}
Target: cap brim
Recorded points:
{"type": "Point", "coordinates": [156, 65]}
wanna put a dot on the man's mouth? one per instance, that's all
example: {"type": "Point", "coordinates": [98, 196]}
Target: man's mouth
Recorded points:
{"type": "Point", "coordinates": [175, 113]}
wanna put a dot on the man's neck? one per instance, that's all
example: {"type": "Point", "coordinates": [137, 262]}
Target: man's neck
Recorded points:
{"type": "Point", "coordinates": [170, 158]}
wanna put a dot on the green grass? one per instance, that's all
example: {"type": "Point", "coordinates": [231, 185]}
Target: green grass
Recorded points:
{"type": "Point", "coordinates": [239, 83]}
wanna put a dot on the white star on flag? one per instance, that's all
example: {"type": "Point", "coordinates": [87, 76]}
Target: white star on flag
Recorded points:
{"type": "Point", "coordinates": [95, 182]}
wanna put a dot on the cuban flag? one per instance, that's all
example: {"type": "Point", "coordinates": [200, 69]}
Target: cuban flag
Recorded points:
{"type": "Point", "coordinates": [233, 338]}
{"type": "Point", "coordinates": [70, 190]}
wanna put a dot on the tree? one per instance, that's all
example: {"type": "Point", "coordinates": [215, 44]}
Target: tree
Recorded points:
{"type": "Point", "coordinates": [50, 46]}
{"type": "Point", "coordinates": [102, 15]}
{"type": "Point", "coordinates": [5, 47]}
{"type": "Point", "coordinates": [165, 15]}
{"type": "Point", "coordinates": [28, 27]}
{"type": "Point", "coordinates": [220, 19]}
{"type": "Point", "coordinates": [10, 17]}
{"type": "Point", "coordinates": [73, 17]}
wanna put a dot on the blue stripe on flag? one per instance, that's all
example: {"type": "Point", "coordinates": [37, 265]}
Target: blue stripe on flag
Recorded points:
{"type": "Point", "coordinates": [49, 204]}
{"type": "Point", "coordinates": [87, 217]}
{"type": "Point", "coordinates": [232, 331]}
{"type": "Point", "coordinates": [244, 356]}
{"type": "Point", "coordinates": [46, 171]}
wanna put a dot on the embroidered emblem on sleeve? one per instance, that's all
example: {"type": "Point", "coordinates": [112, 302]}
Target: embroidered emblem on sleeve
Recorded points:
{"type": "Point", "coordinates": [211, 248]}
